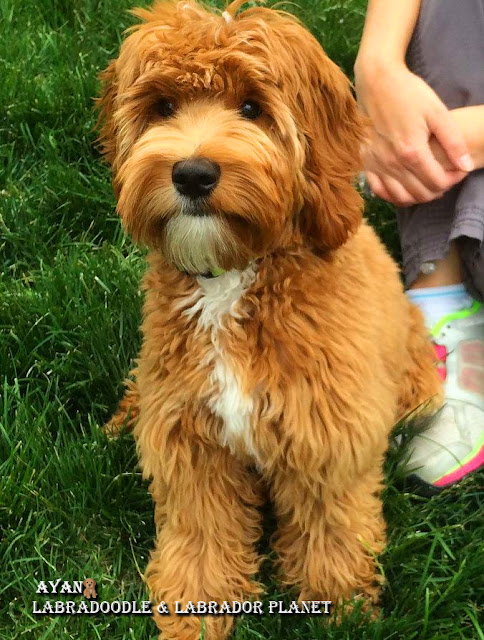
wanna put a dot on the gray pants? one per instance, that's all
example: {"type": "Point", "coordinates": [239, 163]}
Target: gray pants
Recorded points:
{"type": "Point", "coordinates": [447, 51]}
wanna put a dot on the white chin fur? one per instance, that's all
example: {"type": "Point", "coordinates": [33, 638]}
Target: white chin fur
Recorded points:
{"type": "Point", "coordinates": [192, 242]}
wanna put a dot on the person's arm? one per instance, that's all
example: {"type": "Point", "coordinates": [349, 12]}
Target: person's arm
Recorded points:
{"type": "Point", "coordinates": [470, 121]}
{"type": "Point", "coordinates": [389, 25]}
{"type": "Point", "coordinates": [405, 113]}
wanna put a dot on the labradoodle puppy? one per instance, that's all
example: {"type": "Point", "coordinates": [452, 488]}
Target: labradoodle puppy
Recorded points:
{"type": "Point", "coordinates": [90, 588]}
{"type": "Point", "coordinates": [278, 345]}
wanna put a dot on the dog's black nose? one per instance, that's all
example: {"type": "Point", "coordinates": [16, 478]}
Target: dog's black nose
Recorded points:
{"type": "Point", "coordinates": [195, 177]}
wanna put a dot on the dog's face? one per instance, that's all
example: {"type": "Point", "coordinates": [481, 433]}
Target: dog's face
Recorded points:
{"type": "Point", "coordinates": [228, 136]}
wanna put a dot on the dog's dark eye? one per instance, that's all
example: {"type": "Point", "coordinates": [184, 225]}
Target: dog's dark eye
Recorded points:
{"type": "Point", "coordinates": [250, 109]}
{"type": "Point", "coordinates": [164, 107]}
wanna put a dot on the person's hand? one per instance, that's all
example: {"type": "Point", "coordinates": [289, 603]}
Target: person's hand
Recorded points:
{"type": "Point", "coordinates": [406, 114]}
{"type": "Point", "coordinates": [470, 121]}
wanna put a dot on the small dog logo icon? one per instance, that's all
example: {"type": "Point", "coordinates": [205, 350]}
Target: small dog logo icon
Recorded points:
{"type": "Point", "coordinates": [90, 590]}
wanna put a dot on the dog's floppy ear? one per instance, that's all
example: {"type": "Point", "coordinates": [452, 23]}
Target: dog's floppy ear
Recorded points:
{"type": "Point", "coordinates": [106, 106]}
{"type": "Point", "coordinates": [122, 72]}
{"type": "Point", "coordinates": [333, 130]}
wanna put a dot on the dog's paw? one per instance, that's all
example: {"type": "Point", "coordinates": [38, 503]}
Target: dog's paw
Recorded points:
{"type": "Point", "coordinates": [118, 424]}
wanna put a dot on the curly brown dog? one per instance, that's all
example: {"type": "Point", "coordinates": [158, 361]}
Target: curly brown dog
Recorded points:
{"type": "Point", "coordinates": [278, 348]}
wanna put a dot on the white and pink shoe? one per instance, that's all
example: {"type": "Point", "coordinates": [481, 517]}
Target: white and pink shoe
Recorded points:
{"type": "Point", "coordinates": [453, 446]}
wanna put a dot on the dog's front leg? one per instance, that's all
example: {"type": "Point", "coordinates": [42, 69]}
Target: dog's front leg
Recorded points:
{"type": "Point", "coordinates": [329, 534]}
{"type": "Point", "coordinates": [207, 524]}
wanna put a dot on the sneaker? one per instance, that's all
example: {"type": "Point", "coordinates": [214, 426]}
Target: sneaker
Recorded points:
{"type": "Point", "coordinates": [453, 445]}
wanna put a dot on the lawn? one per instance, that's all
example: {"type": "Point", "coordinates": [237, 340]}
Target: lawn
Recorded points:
{"type": "Point", "coordinates": [72, 503]}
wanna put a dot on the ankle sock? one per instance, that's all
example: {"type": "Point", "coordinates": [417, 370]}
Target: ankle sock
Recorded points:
{"type": "Point", "coordinates": [436, 302]}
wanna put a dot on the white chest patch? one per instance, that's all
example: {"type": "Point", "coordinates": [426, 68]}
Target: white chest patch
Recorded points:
{"type": "Point", "coordinates": [217, 298]}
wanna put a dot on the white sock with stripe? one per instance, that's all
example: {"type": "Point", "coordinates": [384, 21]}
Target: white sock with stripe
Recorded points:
{"type": "Point", "coordinates": [437, 302]}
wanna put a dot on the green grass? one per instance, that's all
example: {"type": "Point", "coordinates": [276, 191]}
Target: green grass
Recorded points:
{"type": "Point", "coordinates": [73, 504]}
